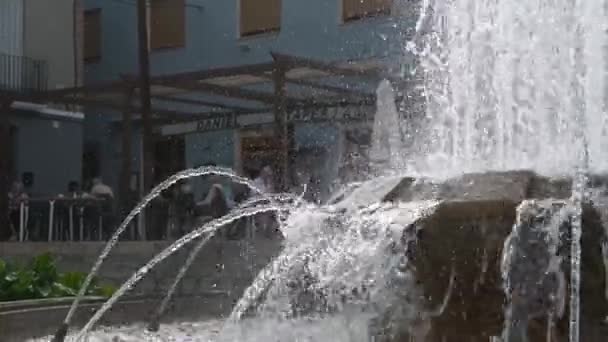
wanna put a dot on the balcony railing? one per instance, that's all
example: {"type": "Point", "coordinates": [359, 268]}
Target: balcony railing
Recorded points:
{"type": "Point", "coordinates": [22, 75]}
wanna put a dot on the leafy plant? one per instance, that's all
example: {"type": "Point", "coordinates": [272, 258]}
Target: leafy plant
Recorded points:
{"type": "Point", "coordinates": [40, 279]}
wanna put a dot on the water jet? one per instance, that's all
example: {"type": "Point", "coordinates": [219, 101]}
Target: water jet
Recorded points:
{"type": "Point", "coordinates": [484, 230]}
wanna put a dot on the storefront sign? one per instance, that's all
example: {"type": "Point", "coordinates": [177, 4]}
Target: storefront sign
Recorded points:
{"type": "Point", "coordinates": [225, 121]}
{"type": "Point", "coordinates": [333, 114]}
{"type": "Point", "coordinates": [300, 115]}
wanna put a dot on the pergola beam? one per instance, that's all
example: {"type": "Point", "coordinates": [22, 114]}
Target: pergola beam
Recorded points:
{"type": "Point", "coordinates": [245, 94]}
{"type": "Point", "coordinates": [160, 121]}
{"type": "Point", "coordinates": [85, 90]}
{"type": "Point", "coordinates": [120, 107]}
{"type": "Point", "coordinates": [281, 128]}
{"type": "Point", "coordinates": [330, 88]}
{"type": "Point", "coordinates": [333, 102]}
{"type": "Point", "coordinates": [127, 154]}
{"type": "Point", "coordinates": [202, 103]}
{"type": "Point", "coordinates": [250, 69]}
{"type": "Point", "coordinates": [195, 82]}
{"type": "Point", "coordinates": [292, 62]}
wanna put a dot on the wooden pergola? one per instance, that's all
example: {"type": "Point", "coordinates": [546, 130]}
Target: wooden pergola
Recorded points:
{"type": "Point", "coordinates": [278, 86]}
{"type": "Point", "coordinates": [263, 86]}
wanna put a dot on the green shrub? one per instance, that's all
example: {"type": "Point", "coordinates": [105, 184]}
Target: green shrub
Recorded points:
{"type": "Point", "coordinates": [40, 279]}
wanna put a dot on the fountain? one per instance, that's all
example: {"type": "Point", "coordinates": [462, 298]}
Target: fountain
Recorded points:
{"type": "Point", "coordinates": [453, 240]}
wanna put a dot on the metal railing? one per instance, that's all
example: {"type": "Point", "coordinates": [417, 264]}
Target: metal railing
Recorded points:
{"type": "Point", "coordinates": [22, 75]}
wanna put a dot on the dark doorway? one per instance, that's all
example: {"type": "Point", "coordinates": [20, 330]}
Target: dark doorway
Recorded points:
{"type": "Point", "coordinates": [91, 160]}
{"type": "Point", "coordinates": [258, 151]}
{"type": "Point", "coordinates": [170, 157]}
{"type": "Point", "coordinates": [263, 148]}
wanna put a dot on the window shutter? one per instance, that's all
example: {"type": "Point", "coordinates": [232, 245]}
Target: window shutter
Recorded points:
{"type": "Point", "coordinates": [259, 16]}
{"type": "Point", "coordinates": [167, 24]}
{"type": "Point", "coordinates": [92, 35]}
{"type": "Point", "coordinates": [356, 9]}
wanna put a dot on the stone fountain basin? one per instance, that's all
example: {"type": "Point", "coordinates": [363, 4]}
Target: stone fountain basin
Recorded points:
{"type": "Point", "coordinates": [466, 233]}
{"type": "Point", "coordinates": [23, 320]}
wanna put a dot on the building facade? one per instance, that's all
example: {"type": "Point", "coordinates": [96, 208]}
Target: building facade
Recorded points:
{"type": "Point", "coordinates": [41, 49]}
{"type": "Point", "coordinates": [189, 35]}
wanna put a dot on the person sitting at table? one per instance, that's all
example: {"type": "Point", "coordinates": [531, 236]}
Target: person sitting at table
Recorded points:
{"type": "Point", "coordinates": [75, 191]}
{"type": "Point", "coordinates": [208, 181]}
{"type": "Point", "coordinates": [105, 210]}
{"type": "Point", "coordinates": [101, 190]}
{"type": "Point", "coordinates": [265, 180]}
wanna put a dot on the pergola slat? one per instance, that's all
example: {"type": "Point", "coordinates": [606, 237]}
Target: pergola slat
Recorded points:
{"type": "Point", "coordinates": [168, 88]}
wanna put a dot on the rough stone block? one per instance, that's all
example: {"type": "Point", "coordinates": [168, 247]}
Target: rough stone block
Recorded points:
{"type": "Point", "coordinates": [467, 233]}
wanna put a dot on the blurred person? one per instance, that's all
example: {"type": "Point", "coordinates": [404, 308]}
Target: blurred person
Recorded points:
{"type": "Point", "coordinates": [101, 190]}
{"type": "Point", "coordinates": [265, 180]}
{"type": "Point", "coordinates": [17, 192]}
{"type": "Point", "coordinates": [225, 183]}
{"type": "Point", "coordinates": [75, 191]}
{"type": "Point", "coordinates": [217, 201]}
{"type": "Point", "coordinates": [105, 210]}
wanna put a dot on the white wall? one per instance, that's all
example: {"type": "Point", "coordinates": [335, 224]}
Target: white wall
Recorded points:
{"type": "Point", "coordinates": [11, 41]}
{"type": "Point", "coordinates": [11, 27]}
{"type": "Point", "coordinates": [49, 36]}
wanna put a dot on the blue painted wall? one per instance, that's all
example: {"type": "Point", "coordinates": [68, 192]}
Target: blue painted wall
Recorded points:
{"type": "Point", "coordinates": [209, 147]}
{"type": "Point", "coordinates": [101, 128]}
{"type": "Point", "coordinates": [310, 28]}
{"type": "Point", "coordinates": [51, 148]}
{"type": "Point", "coordinates": [216, 147]}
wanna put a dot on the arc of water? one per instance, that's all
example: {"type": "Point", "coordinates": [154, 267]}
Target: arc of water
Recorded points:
{"type": "Point", "coordinates": [208, 229]}
{"type": "Point", "coordinates": [264, 278]}
{"type": "Point", "coordinates": [207, 170]}
{"type": "Point", "coordinates": [260, 284]}
{"type": "Point", "coordinates": [194, 253]}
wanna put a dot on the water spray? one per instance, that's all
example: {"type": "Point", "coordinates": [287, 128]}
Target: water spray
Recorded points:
{"type": "Point", "coordinates": [154, 323]}
{"type": "Point", "coordinates": [579, 186]}
{"type": "Point", "coordinates": [61, 332]}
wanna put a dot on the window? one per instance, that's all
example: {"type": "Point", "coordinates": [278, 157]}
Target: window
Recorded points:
{"type": "Point", "coordinates": [259, 16]}
{"type": "Point", "coordinates": [357, 9]}
{"type": "Point", "coordinates": [167, 24]}
{"type": "Point", "coordinates": [92, 35]}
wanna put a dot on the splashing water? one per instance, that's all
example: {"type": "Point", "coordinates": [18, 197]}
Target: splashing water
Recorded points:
{"type": "Point", "coordinates": [578, 197]}
{"type": "Point", "coordinates": [342, 252]}
{"type": "Point", "coordinates": [338, 264]}
{"type": "Point", "coordinates": [195, 251]}
{"type": "Point", "coordinates": [151, 196]}
{"type": "Point", "coordinates": [513, 85]}
{"type": "Point", "coordinates": [207, 230]}
{"type": "Point", "coordinates": [508, 85]}
{"type": "Point", "coordinates": [516, 85]}
{"type": "Point", "coordinates": [387, 146]}
{"type": "Point", "coordinates": [534, 282]}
